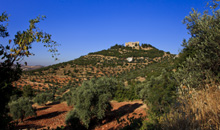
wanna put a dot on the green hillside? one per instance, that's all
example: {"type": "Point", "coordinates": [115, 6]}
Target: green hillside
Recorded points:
{"type": "Point", "coordinates": [114, 56]}
{"type": "Point", "coordinates": [112, 62]}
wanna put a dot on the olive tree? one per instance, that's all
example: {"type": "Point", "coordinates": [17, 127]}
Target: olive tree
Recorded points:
{"type": "Point", "coordinates": [28, 91]}
{"type": "Point", "coordinates": [201, 54]}
{"type": "Point", "coordinates": [43, 98]}
{"type": "Point", "coordinates": [21, 108]}
{"type": "Point", "coordinates": [90, 100]}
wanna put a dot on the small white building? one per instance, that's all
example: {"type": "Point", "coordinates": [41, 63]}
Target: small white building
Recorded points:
{"type": "Point", "coordinates": [129, 59]}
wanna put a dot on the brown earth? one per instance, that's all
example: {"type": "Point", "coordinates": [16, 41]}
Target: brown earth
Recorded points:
{"type": "Point", "coordinates": [53, 115]}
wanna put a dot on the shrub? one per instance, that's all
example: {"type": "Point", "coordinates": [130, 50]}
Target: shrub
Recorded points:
{"type": "Point", "coordinates": [198, 75]}
{"type": "Point", "coordinates": [130, 92]}
{"type": "Point", "coordinates": [21, 108]}
{"type": "Point", "coordinates": [200, 57]}
{"type": "Point", "coordinates": [28, 91]}
{"type": "Point", "coordinates": [91, 100]}
{"type": "Point", "coordinates": [159, 93]}
{"type": "Point", "coordinates": [43, 98]}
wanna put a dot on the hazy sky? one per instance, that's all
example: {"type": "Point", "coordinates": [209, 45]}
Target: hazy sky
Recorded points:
{"type": "Point", "coordinates": [83, 26]}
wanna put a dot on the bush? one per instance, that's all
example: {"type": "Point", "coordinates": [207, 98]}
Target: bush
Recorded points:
{"type": "Point", "coordinates": [200, 57]}
{"type": "Point", "coordinates": [43, 98]}
{"type": "Point", "coordinates": [198, 75]}
{"type": "Point", "coordinates": [130, 92]}
{"type": "Point", "coordinates": [28, 91]}
{"type": "Point", "coordinates": [21, 108]}
{"type": "Point", "coordinates": [91, 100]}
{"type": "Point", "coordinates": [159, 93]}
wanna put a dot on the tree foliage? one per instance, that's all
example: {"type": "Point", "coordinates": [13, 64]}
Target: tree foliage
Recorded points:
{"type": "Point", "coordinates": [43, 98]}
{"type": "Point", "coordinates": [28, 91]}
{"type": "Point", "coordinates": [200, 56]}
{"type": "Point", "coordinates": [91, 100]}
{"type": "Point", "coordinates": [21, 108]}
{"type": "Point", "coordinates": [198, 74]}
{"type": "Point", "coordinates": [130, 92]}
{"type": "Point", "coordinates": [160, 92]}
{"type": "Point", "coordinates": [129, 52]}
{"type": "Point", "coordinates": [13, 53]}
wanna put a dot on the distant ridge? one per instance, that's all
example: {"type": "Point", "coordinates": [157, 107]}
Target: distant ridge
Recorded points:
{"type": "Point", "coordinates": [27, 67]}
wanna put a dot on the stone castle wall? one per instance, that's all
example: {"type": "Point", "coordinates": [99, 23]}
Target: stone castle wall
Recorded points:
{"type": "Point", "coordinates": [132, 44]}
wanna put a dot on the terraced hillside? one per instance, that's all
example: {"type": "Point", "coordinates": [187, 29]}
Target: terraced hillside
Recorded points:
{"type": "Point", "coordinates": [115, 61]}
{"type": "Point", "coordinates": [59, 82]}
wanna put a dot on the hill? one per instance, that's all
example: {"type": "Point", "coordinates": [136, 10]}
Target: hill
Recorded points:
{"type": "Point", "coordinates": [115, 61]}
{"type": "Point", "coordinates": [28, 68]}
{"type": "Point", "coordinates": [130, 66]}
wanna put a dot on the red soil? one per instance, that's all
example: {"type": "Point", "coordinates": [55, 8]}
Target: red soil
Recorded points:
{"type": "Point", "coordinates": [53, 115]}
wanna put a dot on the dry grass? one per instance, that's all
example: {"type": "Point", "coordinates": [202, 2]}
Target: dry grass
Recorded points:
{"type": "Point", "coordinates": [196, 110]}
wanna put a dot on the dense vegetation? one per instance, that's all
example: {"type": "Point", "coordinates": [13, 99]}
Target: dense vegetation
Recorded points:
{"type": "Point", "coordinates": [91, 100]}
{"type": "Point", "coordinates": [121, 51]}
{"type": "Point", "coordinates": [21, 108]}
{"type": "Point", "coordinates": [43, 98]}
{"type": "Point", "coordinates": [196, 79]}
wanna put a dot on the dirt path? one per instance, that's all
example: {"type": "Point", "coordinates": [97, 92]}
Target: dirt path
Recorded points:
{"type": "Point", "coordinates": [53, 115]}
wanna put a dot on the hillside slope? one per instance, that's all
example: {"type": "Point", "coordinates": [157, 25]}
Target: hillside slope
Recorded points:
{"type": "Point", "coordinates": [129, 65]}
{"type": "Point", "coordinates": [115, 61]}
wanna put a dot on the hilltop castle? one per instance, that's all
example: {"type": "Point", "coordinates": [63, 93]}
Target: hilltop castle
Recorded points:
{"type": "Point", "coordinates": [132, 44]}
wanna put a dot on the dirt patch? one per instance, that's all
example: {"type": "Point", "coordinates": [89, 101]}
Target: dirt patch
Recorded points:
{"type": "Point", "coordinates": [53, 115]}
{"type": "Point", "coordinates": [121, 110]}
